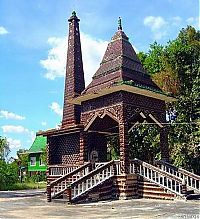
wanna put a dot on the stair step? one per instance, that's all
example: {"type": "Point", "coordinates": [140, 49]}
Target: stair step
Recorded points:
{"type": "Point", "coordinates": [156, 196]}
{"type": "Point", "coordinates": [193, 197]}
{"type": "Point", "coordinates": [60, 200]}
{"type": "Point", "coordinates": [156, 191]}
{"type": "Point", "coordinates": [189, 192]}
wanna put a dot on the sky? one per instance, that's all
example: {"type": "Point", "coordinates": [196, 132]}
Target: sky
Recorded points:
{"type": "Point", "coordinates": [33, 48]}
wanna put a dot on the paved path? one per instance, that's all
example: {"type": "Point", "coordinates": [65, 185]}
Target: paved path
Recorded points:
{"type": "Point", "coordinates": [32, 204]}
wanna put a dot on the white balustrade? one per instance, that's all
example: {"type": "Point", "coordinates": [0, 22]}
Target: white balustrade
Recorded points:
{"type": "Point", "coordinates": [83, 179]}
{"type": "Point", "coordinates": [192, 180]}
{"type": "Point", "coordinates": [118, 168]}
{"type": "Point", "coordinates": [132, 167]}
{"type": "Point", "coordinates": [93, 179]}
{"type": "Point", "coordinates": [61, 170]}
{"type": "Point", "coordinates": [60, 184]}
{"type": "Point", "coordinates": [159, 176]}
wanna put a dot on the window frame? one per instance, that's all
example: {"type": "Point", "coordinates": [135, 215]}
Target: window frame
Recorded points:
{"type": "Point", "coordinates": [34, 159]}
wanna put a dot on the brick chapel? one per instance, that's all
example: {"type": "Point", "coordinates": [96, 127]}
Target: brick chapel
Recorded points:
{"type": "Point", "coordinates": [120, 95]}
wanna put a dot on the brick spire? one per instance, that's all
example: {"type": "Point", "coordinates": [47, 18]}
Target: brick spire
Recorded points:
{"type": "Point", "coordinates": [120, 63]}
{"type": "Point", "coordinates": [74, 81]}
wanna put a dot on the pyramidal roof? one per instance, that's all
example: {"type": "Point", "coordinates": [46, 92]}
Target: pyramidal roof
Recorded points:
{"type": "Point", "coordinates": [120, 64]}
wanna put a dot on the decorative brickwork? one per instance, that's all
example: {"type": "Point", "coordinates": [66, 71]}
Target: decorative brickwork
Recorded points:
{"type": "Point", "coordinates": [124, 147]}
{"type": "Point", "coordinates": [64, 145]}
{"type": "Point", "coordinates": [117, 112]}
{"type": "Point", "coordinates": [112, 112]}
{"type": "Point", "coordinates": [83, 147]}
{"type": "Point", "coordinates": [49, 152]}
{"type": "Point", "coordinates": [74, 81]}
{"type": "Point", "coordinates": [65, 149]}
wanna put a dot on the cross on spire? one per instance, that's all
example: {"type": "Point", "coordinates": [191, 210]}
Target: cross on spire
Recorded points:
{"type": "Point", "coordinates": [119, 23]}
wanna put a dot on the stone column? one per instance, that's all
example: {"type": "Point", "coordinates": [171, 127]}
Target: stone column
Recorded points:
{"type": "Point", "coordinates": [124, 152]}
{"type": "Point", "coordinates": [164, 146]}
{"type": "Point", "coordinates": [83, 147]}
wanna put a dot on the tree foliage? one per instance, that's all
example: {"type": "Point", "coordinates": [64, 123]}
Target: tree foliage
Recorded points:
{"type": "Point", "coordinates": [8, 171]}
{"type": "Point", "coordinates": [144, 142]}
{"type": "Point", "coordinates": [8, 174]}
{"type": "Point", "coordinates": [176, 69]}
{"type": "Point", "coordinates": [4, 148]}
{"type": "Point", "coordinates": [22, 158]}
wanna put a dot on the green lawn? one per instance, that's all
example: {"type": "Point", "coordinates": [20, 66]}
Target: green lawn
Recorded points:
{"type": "Point", "coordinates": [26, 185]}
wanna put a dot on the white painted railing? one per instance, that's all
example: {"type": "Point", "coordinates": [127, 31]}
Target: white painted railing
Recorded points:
{"type": "Point", "coordinates": [61, 170]}
{"type": "Point", "coordinates": [132, 167]}
{"type": "Point", "coordinates": [190, 179]}
{"type": "Point", "coordinates": [84, 178]}
{"type": "Point", "coordinates": [97, 165]}
{"type": "Point", "coordinates": [91, 180]}
{"type": "Point", "coordinates": [117, 166]}
{"type": "Point", "coordinates": [158, 176]}
{"type": "Point", "coordinates": [57, 186]}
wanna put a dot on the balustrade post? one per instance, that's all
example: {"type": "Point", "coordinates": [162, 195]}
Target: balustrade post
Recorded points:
{"type": "Point", "coordinates": [114, 169]}
{"type": "Point", "coordinates": [136, 167]}
{"type": "Point", "coordinates": [68, 194]}
{"type": "Point", "coordinates": [136, 171]}
{"type": "Point", "coordinates": [48, 193]}
{"type": "Point", "coordinates": [114, 181]}
{"type": "Point", "coordinates": [183, 188]}
{"type": "Point", "coordinates": [90, 167]}
{"type": "Point", "coordinates": [47, 175]}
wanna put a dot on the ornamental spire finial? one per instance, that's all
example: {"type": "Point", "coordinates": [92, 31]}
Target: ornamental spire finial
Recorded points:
{"type": "Point", "coordinates": [119, 23]}
{"type": "Point", "coordinates": [73, 13]}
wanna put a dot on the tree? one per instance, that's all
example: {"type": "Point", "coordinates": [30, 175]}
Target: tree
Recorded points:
{"type": "Point", "coordinates": [8, 171]}
{"type": "Point", "coordinates": [176, 70]}
{"type": "Point", "coordinates": [4, 148]}
{"type": "Point", "coordinates": [8, 174]}
{"type": "Point", "coordinates": [153, 61]}
{"type": "Point", "coordinates": [144, 142]}
{"type": "Point", "coordinates": [23, 158]}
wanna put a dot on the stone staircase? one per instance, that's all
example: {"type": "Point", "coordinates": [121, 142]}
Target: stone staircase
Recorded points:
{"type": "Point", "coordinates": [190, 181]}
{"type": "Point", "coordinates": [103, 181]}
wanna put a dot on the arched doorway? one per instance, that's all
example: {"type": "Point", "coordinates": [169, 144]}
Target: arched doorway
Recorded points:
{"type": "Point", "coordinates": [98, 131]}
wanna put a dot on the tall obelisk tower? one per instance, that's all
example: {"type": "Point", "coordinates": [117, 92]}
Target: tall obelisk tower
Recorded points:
{"type": "Point", "coordinates": [74, 81]}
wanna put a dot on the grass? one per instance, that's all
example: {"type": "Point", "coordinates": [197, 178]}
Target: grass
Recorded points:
{"type": "Point", "coordinates": [26, 185]}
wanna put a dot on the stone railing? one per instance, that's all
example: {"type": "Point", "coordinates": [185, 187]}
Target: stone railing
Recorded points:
{"type": "Point", "coordinates": [190, 179]}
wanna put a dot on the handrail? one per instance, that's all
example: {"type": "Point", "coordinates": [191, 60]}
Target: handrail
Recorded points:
{"type": "Point", "coordinates": [63, 165]}
{"type": "Point", "coordinates": [192, 180]}
{"type": "Point", "coordinates": [177, 169]}
{"type": "Point", "coordinates": [91, 180]}
{"type": "Point", "coordinates": [158, 176]}
{"type": "Point", "coordinates": [69, 174]}
{"type": "Point", "coordinates": [57, 170]}
{"type": "Point", "coordinates": [158, 170]}
{"type": "Point", "coordinates": [93, 172]}
{"type": "Point", "coordinates": [59, 185]}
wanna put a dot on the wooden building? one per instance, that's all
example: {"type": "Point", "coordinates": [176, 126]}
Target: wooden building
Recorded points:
{"type": "Point", "coordinates": [35, 162]}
